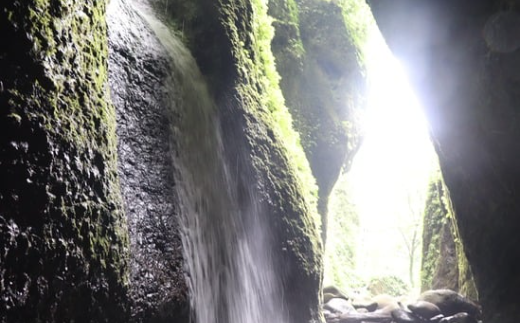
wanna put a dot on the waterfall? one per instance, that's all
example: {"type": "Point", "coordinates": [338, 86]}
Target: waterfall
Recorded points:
{"type": "Point", "coordinates": [227, 251]}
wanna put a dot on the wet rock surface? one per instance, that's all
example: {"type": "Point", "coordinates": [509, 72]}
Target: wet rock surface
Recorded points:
{"type": "Point", "coordinates": [62, 234]}
{"type": "Point", "coordinates": [139, 72]}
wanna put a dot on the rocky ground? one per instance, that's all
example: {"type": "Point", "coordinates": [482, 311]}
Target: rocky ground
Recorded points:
{"type": "Point", "coordinates": [435, 306]}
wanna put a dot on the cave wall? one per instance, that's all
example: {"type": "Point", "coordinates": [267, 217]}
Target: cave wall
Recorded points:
{"type": "Point", "coordinates": [322, 79]}
{"type": "Point", "coordinates": [463, 60]}
{"type": "Point", "coordinates": [63, 239]}
{"type": "Point", "coordinates": [444, 263]}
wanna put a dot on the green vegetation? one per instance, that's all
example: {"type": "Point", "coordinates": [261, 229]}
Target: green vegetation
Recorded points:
{"type": "Point", "coordinates": [341, 246]}
{"type": "Point", "coordinates": [442, 247]}
{"type": "Point", "coordinates": [466, 282]}
{"type": "Point", "coordinates": [275, 102]}
{"type": "Point", "coordinates": [358, 21]}
{"type": "Point", "coordinates": [435, 218]}
{"type": "Point", "coordinates": [322, 83]}
{"type": "Point", "coordinates": [391, 285]}
{"type": "Point", "coordinates": [294, 216]}
{"type": "Point", "coordinates": [325, 91]}
{"type": "Point", "coordinates": [60, 166]}
{"type": "Point", "coordinates": [259, 63]}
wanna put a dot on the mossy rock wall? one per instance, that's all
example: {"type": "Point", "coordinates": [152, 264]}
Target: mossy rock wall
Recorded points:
{"type": "Point", "coordinates": [444, 264]}
{"type": "Point", "coordinates": [439, 260]}
{"type": "Point", "coordinates": [222, 37]}
{"type": "Point", "coordinates": [463, 59]}
{"type": "Point", "coordinates": [63, 236]}
{"type": "Point", "coordinates": [322, 79]}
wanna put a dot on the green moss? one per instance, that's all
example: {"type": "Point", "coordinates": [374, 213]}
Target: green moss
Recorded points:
{"type": "Point", "coordinates": [274, 100]}
{"type": "Point", "coordinates": [466, 282]}
{"type": "Point", "coordinates": [322, 80]}
{"type": "Point", "coordinates": [286, 19]}
{"type": "Point", "coordinates": [232, 46]}
{"type": "Point", "coordinates": [340, 251]}
{"type": "Point", "coordinates": [391, 285]}
{"type": "Point", "coordinates": [435, 218]}
{"type": "Point", "coordinates": [358, 21]}
{"type": "Point", "coordinates": [64, 193]}
{"type": "Point", "coordinates": [439, 217]}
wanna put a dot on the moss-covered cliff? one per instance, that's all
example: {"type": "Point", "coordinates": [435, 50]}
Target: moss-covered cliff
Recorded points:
{"type": "Point", "coordinates": [230, 40]}
{"type": "Point", "coordinates": [444, 264]}
{"type": "Point", "coordinates": [463, 59]}
{"type": "Point", "coordinates": [318, 50]}
{"type": "Point", "coordinates": [62, 233]}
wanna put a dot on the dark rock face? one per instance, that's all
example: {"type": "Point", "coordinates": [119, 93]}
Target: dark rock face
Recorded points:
{"type": "Point", "coordinates": [139, 71]}
{"type": "Point", "coordinates": [469, 85]}
{"type": "Point", "coordinates": [63, 237]}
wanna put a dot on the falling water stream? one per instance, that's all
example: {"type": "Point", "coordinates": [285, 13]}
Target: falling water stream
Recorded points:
{"type": "Point", "coordinates": [230, 269]}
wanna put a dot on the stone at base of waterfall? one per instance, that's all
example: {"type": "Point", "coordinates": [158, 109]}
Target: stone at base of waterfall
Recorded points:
{"type": "Point", "coordinates": [451, 302]}
{"type": "Point", "coordinates": [424, 310]}
{"type": "Point", "coordinates": [339, 306]}
{"type": "Point", "coordinates": [459, 318]}
{"type": "Point", "coordinates": [433, 306]}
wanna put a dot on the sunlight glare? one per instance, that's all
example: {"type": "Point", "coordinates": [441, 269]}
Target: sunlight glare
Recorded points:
{"type": "Point", "coordinates": [394, 163]}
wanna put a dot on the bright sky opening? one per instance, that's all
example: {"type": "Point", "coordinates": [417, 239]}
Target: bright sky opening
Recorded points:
{"type": "Point", "coordinates": [390, 172]}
